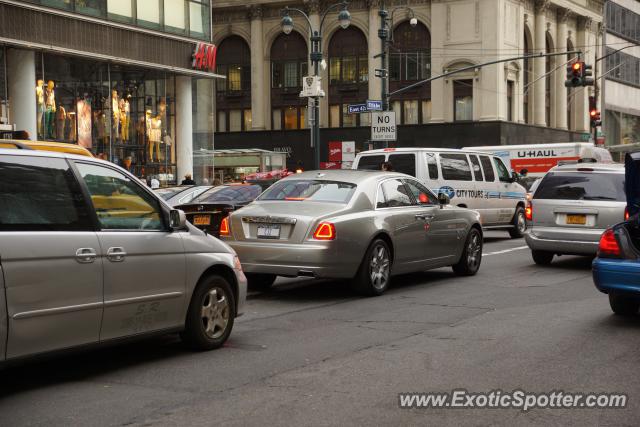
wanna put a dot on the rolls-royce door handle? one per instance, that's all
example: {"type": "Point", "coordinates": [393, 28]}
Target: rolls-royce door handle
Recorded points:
{"type": "Point", "coordinates": [116, 254]}
{"type": "Point", "coordinates": [86, 255]}
{"type": "Point", "coordinates": [425, 217]}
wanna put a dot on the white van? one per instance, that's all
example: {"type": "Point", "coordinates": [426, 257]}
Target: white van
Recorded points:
{"type": "Point", "coordinates": [474, 180]}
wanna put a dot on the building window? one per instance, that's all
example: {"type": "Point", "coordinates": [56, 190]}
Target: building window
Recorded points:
{"type": "Point", "coordinates": [235, 120]}
{"type": "Point", "coordinates": [288, 66]}
{"type": "Point", "coordinates": [623, 22]}
{"type": "Point", "coordinates": [276, 119]}
{"type": "Point", "coordinates": [222, 121]}
{"type": "Point", "coordinates": [290, 118]}
{"type": "Point", "coordinates": [426, 111]}
{"type": "Point", "coordinates": [624, 68]}
{"type": "Point", "coordinates": [120, 10]}
{"type": "Point", "coordinates": [410, 113]}
{"type": "Point", "coordinates": [174, 18]}
{"type": "Point", "coordinates": [463, 100]}
{"type": "Point", "coordinates": [246, 119]}
{"type": "Point", "coordinates": [233, 95]}
{"type": "Point", "coordinates": [509, 101]}
{"type": "Point", "coordinates": [148, 13]}
{"type": "Point", "coordinates": [334, 116]}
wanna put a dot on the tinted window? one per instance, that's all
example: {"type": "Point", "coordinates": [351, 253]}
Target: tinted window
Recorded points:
{"type": "Point", "coordinates": [395, 194]}
{"type": "Point", "coordinates": [581, 186]}
{"type": "Point", "coordinates": [503, 172]}
{"type": "Point", "coordinates": [169, 192]}
{"type": "Point", "coordinates": [310, 189]}
{"type": "Point", "coordinates": [455, 167]}
{"type": "Point", "coordinates": [40, 194]}
{"type": "Point", "coordinates": [475, 164]}
{"type": "Point", "coordinates": [420, 193]}
{"type": "Point", "coordinates": [230, 193]}
{"type": "Point", "coordinates": [432, 165]}
{"type": "Point", "coordinates": [487, 169]}
{"type": "Point", "coordinates": [120, 203]}
{"type": "Point", "coordinates": [371, 162]}
{"type": "Point", "coordinates": [404, 163]}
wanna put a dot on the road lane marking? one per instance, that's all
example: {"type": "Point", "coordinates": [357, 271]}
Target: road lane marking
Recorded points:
{"type": "Point", "coordinates": [505, 251]}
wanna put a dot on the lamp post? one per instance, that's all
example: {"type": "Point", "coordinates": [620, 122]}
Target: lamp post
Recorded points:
{"type": "Point", "coordinates": [386, 35]}
{"type": "Point", "coordinates": [315, 38]}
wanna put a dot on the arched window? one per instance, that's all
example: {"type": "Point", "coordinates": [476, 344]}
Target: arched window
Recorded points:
{"type": "Point", "coordinates": [348, 76]}
{"type": "Point", "coordinates": [234, 93]}
{"type": "Point", "coordinates": [548, 81]}
{"type": "Point", "coordinates": [527, 72]}
{"type": "Point", "coordinates": [288, 66]}
{"type": "Point", "coordinates": [570, 94]}
{"type": "Point", "coordinates": [410, 61]}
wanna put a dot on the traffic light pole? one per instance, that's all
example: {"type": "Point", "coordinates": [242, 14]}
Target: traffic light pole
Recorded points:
{"type": "Point", "coordinates": [475, 67]}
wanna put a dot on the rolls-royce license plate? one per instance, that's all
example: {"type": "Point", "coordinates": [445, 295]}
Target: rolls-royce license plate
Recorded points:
{"type": "Point", "coordinates": [269, 231]}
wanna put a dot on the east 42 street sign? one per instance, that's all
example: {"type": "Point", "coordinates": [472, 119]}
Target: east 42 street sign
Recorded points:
{"type": "Point", "coordinates": [383, 126]}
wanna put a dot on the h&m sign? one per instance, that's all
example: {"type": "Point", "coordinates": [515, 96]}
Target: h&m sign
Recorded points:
{"type": "Point", "coordinates": [204, 57]}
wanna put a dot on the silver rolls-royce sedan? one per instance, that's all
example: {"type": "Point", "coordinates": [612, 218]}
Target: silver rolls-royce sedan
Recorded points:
{"type": "Point", "coordinates": [348, 224]}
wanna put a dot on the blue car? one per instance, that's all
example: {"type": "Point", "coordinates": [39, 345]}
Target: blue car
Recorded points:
{"type": "Point", "coordinates": [616, 270]}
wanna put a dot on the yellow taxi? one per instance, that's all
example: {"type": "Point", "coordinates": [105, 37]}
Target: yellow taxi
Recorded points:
{"type": "Point", "coordinates": [60, 147]}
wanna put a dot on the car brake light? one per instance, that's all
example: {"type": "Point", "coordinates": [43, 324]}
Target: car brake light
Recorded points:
{"type": "Point", "coordinates": [608, 244]}
{"type": "Point", "coordinates": [528, 212]}
{"type": "Point", "coordinates": [325, 231]}
{"type": "Point", "coordinates": [224, 226]}
{"type": "Point", "coordinates": [626, 213]}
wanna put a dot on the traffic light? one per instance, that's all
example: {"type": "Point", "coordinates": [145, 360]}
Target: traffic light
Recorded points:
{"type": "Point", "coordinates": [594, 114]}
{"type": "Point", "coordinates": [587, 75]}
{"type": "Point", "coordinates": [574, 74]}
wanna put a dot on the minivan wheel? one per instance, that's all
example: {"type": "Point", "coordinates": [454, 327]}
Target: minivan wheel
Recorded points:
{"type": "Point", "coordinates": [519, 224]}
{"type": "Point", "coordinates": [542, 257]}
{"type": "Point", "coordinates": [623, 306]}
{"type": "Point", "coordinates": [260, 282]}
{"type": "Point", "coordinates": [374, 274]}
{"type": "Point", "coordinates": [211, 314]}
{"type": "Point", "coordinates": [471, 258]}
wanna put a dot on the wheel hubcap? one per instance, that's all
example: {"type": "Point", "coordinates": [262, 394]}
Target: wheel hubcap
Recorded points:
{"type": "Point", "coordinates": [474, 251]}
{"type": "Point", "coordinates": [522, 223]}
{"type": "Point", "coordinates": [215, 313]}
{"type": "Point", "coordinates": [379, 267]}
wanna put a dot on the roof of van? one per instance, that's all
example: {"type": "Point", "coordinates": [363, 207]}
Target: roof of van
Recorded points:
{"type": "Point", "coordinates": [529, 146]}
{"type": "Point", "coordinates": [419, 149]}
{"type": "Point", "coordinates": [588, 166]}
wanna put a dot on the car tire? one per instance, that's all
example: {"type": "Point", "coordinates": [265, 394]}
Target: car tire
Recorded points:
{"type": "Point", "coordinates": [374, 274]}
{"type": "Point", "coordinates": [623, 305]}
{"type": "Point", "coordinates": [542, 257]}
{"type": "Point", "coordinates": [260, 282]}
{"type": "Point", "coordinates": [211, 314]}
{"type": "Point", "coordinates": [519, 224]}
{"type": "Point", "coordinates": [471, 257]}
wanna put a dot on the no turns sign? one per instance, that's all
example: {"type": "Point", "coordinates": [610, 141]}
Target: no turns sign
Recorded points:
{"type": "Point", "coordinates": [383, 126]}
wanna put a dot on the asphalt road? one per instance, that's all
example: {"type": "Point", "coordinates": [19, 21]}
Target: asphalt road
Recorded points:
{"type": "Point", "coordinates": [312, 353]}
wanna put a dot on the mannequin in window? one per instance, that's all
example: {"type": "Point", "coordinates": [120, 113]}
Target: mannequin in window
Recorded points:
{"type": "Point", "coordinates": [49, 109]}
{"type": "Point", "coordinates": [61, 122]}
{"type": "Point", "coordinates": [155, 137]}
{"type": "Point", "coordinates": [40, 104]}
{"type": "Point", "coordinates": [124, 119]}
{"type": "Point", "coordinates": [115, 114]}
{"type": "Point", "coordinates": [140, 131]}
{"type": "Point", "coordinates": [71, 117]}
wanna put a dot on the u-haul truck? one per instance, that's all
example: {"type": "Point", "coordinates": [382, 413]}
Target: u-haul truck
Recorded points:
{"type": "Point", "coordinates": [537, 159]}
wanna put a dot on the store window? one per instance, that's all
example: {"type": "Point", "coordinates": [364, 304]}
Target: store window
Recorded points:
{"type": "Point", "coordinates": [348, 76]}
{"type": "Point", "coordinates": [233, 97]}
{"type": "Point", "coordinates": [122, 114]}
{"type": "Point", "coordinates": [289, 64]}
{"type": "Point", "coordinates": [463, 100]}
{"type": "Point", "coordinates": [185, 17]}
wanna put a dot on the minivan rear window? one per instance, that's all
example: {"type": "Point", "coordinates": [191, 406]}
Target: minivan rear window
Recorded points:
{"type": "Point", "coordinates": [371, 162]}
{"type": "Point", "coordinates": [581, 186]}
{"type": "Point", "coordinates": [403, 163]}
{"type": "Point", "coordinates": [301, 190]}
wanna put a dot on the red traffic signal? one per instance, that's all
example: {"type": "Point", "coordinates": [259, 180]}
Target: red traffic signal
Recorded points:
{"type": "Point", "coordinates": [594, 116]}
{"type": "Point", "coordinates": [575, 74]}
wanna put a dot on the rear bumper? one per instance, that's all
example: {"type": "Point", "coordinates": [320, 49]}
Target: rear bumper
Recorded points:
{"type": "Point", "coordinates": [617, 276]}
{"type": "Point", "coordinates": [565, 241]}
{"type": "Point", "coordinates": [314, 259]}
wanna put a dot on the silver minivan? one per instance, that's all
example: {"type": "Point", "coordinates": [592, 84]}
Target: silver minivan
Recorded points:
{"type": "Point", "coordinates": [89, 254]}
{"type": "Point", "coordinates": [571, 208]}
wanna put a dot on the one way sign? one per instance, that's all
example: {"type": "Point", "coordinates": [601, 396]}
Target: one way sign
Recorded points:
{"type": "Point", "coordinates": [383, 126]}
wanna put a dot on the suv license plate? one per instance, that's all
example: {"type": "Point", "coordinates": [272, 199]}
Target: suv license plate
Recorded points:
{"type": "Point", "coordinates": [271, 231]}
{"type": "Point", "coordinates": [201, 220]}
{"type": "Point", "coordinates": [577, 219]}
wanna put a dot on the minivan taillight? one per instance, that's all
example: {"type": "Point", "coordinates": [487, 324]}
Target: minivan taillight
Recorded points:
{"type": "Point", "coordinates": [609, 244]}
{"type": "Point", "coordinates": [528, 212]}
{"type": "Point", "coordinates": [626, 213]}
{"type": "Point", "coordinates": [325, 231]}
{"type": "Point", "coordinates": [224, 226]}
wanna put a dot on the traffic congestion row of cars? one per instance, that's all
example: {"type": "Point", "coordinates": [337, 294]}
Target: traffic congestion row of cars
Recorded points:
{"type": "Point", "coordinates": [137, 262]}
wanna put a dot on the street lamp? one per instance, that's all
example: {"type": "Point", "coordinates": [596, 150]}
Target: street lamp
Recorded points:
{"type": "Point", "coordinates": [315, 37]}
{"type": "Point", "coordinates": [386, 35]}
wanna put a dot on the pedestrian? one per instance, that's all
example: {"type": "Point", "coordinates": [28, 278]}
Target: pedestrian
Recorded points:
{"type": "Point", "coordinates": [188, 180]}
{"type": "Point", "coordinates": [387, 167]}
